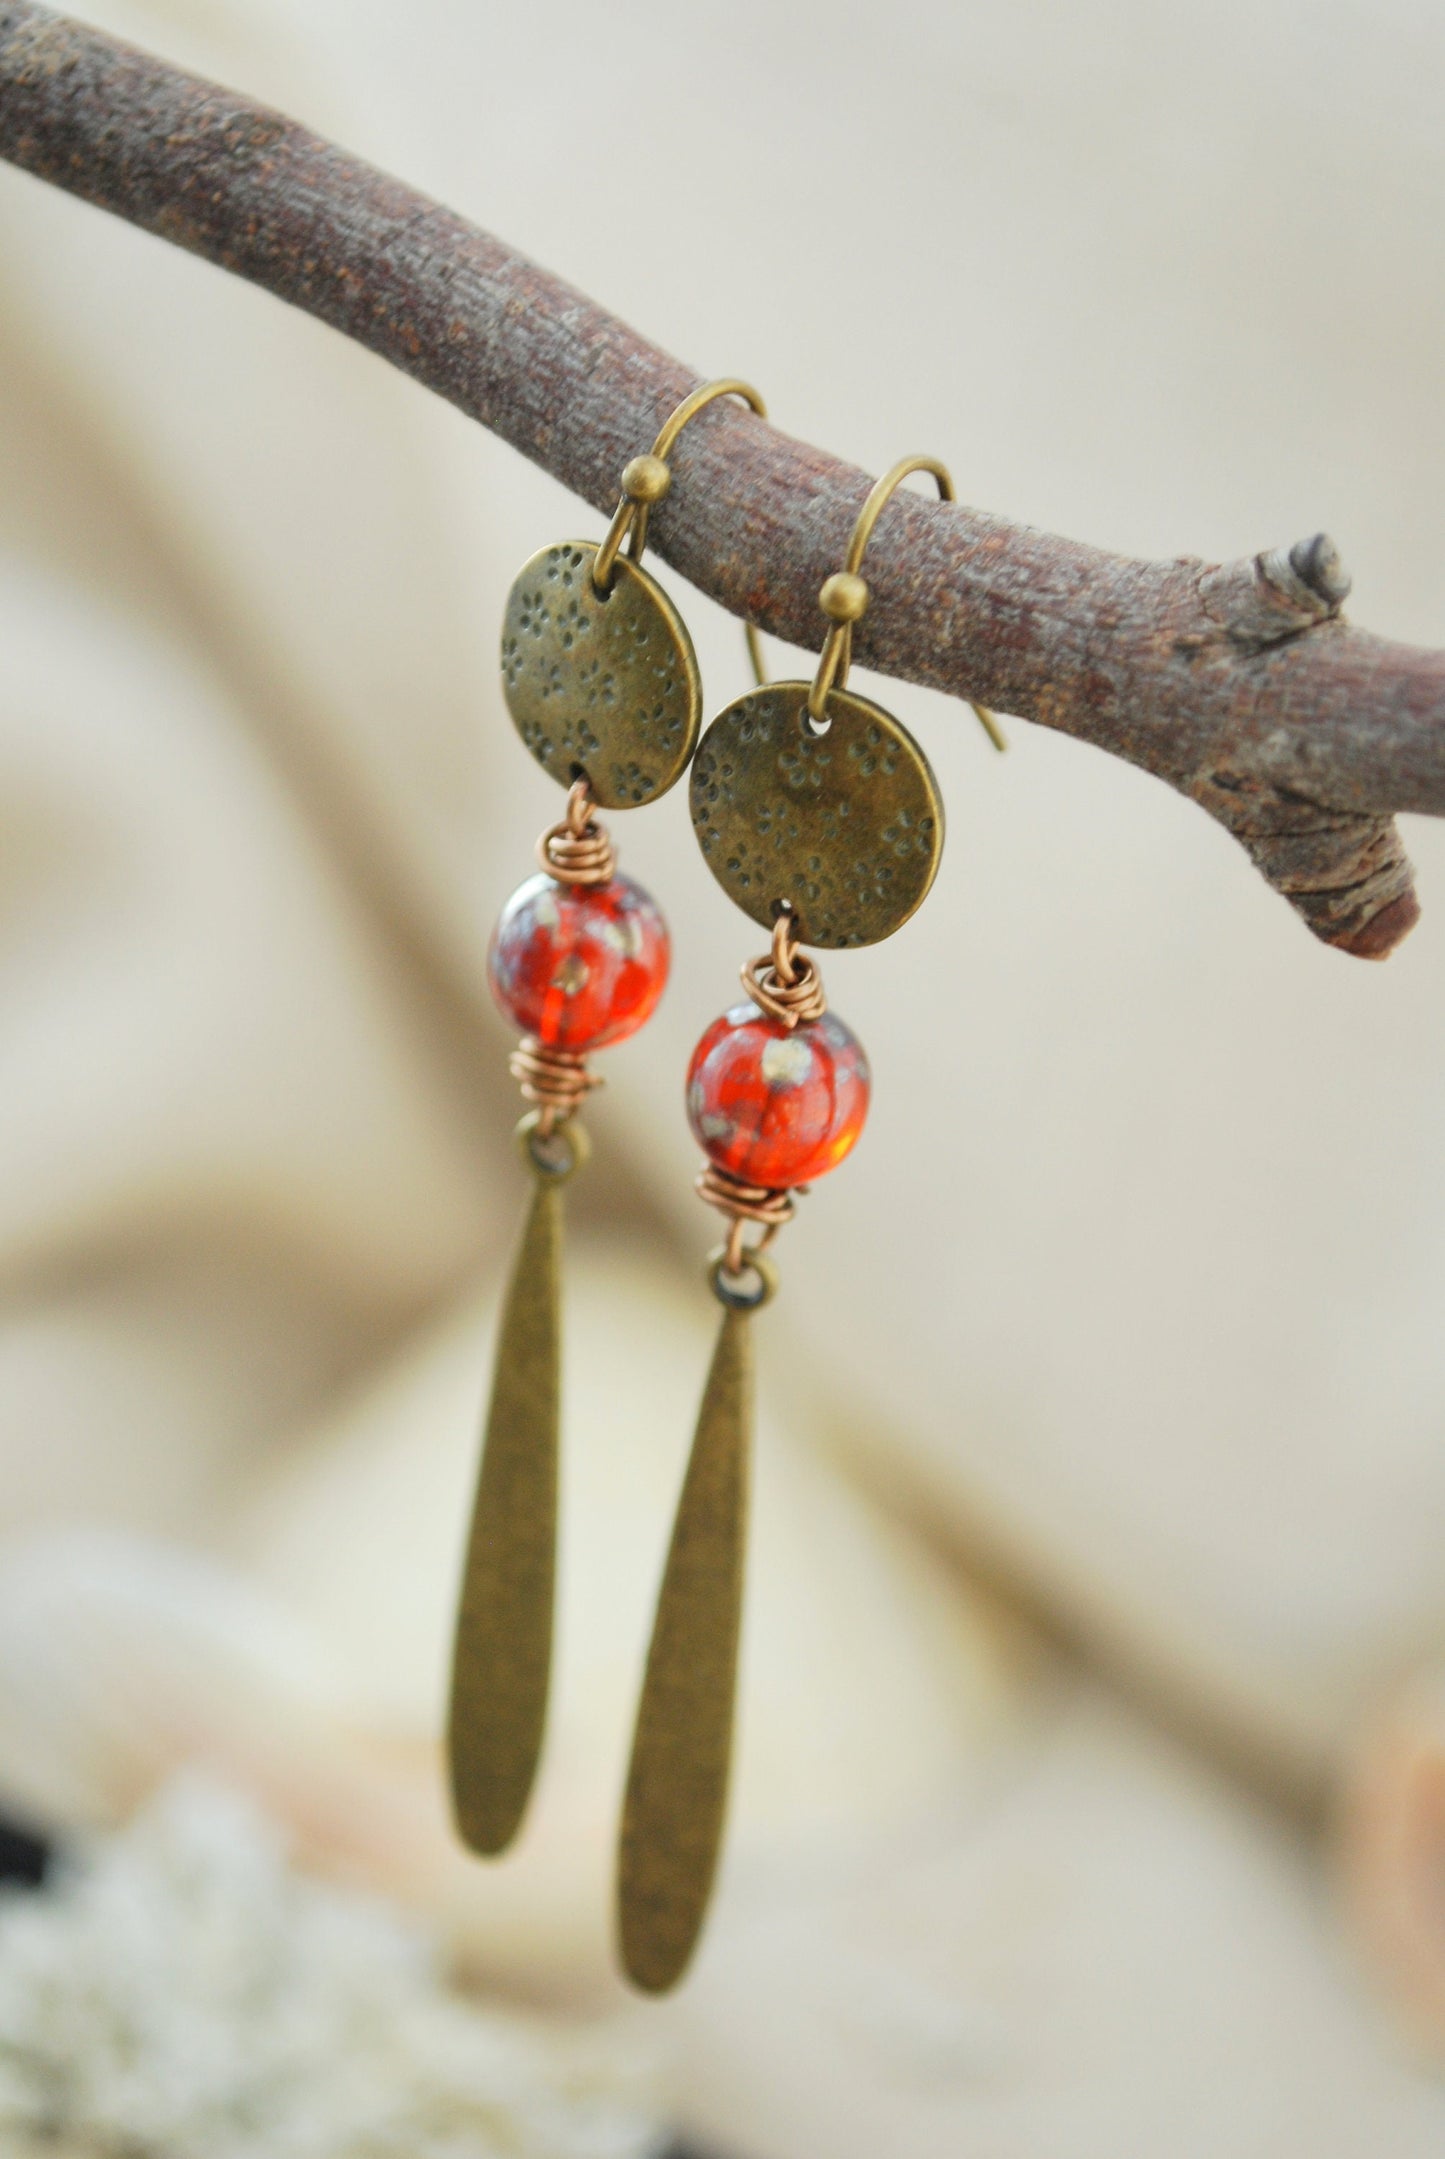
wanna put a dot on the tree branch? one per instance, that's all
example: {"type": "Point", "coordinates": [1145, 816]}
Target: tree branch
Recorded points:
{"type": "Point", "coordinates": [1240, 685]}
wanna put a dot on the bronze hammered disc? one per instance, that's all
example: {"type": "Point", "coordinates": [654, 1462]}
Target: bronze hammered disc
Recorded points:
{"type": "Point", "coordinates": [601, 685]}
{"type": "Point", "coordinates": [848, 825]}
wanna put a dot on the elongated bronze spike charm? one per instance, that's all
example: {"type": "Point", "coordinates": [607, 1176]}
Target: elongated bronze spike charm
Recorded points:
{"type": "Point", "coordinates": [504, 1627]}
{"type": "Point", "coordinates": [677, 1783]}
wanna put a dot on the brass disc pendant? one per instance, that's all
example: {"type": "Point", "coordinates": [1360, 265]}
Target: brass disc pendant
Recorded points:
{"type": "Point", "coordinates": [847, 825]}
{"type": "Point", "coordinates": [601, 685]}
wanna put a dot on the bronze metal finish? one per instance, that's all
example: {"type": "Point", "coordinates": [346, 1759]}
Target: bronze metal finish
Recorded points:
{"type": "Point", "coordinates": [646, 479]}
{"type": "Point", "coordinates": [598, 670]}
{"type": "Point", "coordinates": [744, 1284]}
{"type": "Point", "coordinates": [677, 1781]}
{"type": "Point", "coordinates": [808, 790]}
{"type": "Point", "coordinates": [848, 825]}
{"type": "Point", "coordinates": [819, 814]}
{"type": "Point", "coordinates": [601, 686]}
{"type": "Point", "coordinates": [504, 1628]}
{"type": "Point", "coordinates": [844, 597]}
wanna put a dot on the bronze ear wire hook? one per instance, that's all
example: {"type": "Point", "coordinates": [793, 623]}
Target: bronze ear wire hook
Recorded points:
{"type": "Point", "coordinates": [646, 479]}
{"type": "Point", "coordinates": [844, 597]}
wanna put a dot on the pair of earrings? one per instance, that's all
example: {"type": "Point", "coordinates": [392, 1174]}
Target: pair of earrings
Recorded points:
{"type": "Point", "coordinates": [820, 816]}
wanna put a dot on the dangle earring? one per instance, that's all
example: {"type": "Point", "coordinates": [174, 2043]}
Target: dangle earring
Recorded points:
{"type": "Point", "coordinates": [820, 816]}
{"type": "Point", "coordinates": [602, 683]}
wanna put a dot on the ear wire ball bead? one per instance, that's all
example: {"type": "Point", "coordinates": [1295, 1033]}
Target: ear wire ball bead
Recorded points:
{"type": "Point", "coordinates": [777, 1106]}
{"type": "Point", "coordinates": [844, 597]}
{"type": "Point", "coordinates": [578, 966]}
{"type": "Point", "coordinates": [646, 479]}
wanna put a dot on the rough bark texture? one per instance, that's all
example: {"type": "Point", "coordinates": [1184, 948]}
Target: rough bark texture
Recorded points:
{"type": "Point", "coordinates": [1238, 684]}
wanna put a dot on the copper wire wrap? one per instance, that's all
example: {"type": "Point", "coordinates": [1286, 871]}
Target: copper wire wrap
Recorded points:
{"type": "Point", "coordinates": [744, 1203]}
{"type": "Point", "coordinates": [558, 1081]}
{"type": "Point", "coordinates": [578, 850]}
{"type": "Point", "coordinates": [784, 983]}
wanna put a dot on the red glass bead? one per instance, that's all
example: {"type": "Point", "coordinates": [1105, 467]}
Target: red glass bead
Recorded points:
{"type": "Point", "coordinates": [777, 1107]}
{"type": "Point", "coordinates": [578, 965]}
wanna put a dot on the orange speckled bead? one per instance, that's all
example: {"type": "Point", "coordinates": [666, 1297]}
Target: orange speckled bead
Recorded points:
{"type": "Point", "coordinates": [775, 1107]}
{"type": "Point", "coordinates": [579, 966]}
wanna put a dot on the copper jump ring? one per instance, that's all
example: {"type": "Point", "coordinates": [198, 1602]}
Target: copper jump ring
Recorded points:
{"type": "Point", "coordinates": [784, 983]}
{"type": "Point", "coordinates": [558, 1081]}
{"type": "Point", "coordinates": [578, 850]}
{"type": "Point", "coordinates": [746, 1287]}
{"type": "Point", "coordinates": [744, 1203]}
{"type": "Point", "coordinates": [554, 1152]}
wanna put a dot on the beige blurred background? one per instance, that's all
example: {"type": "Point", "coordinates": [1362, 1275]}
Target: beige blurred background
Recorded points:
{"type": "Point", "coordinates": [1092, 1795]}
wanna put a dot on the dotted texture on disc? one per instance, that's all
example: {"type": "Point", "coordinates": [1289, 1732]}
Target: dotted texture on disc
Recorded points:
{"type": "Point", "coordinates": [606, 686]}
{"type": "Point", "coordinates": [847, 825]}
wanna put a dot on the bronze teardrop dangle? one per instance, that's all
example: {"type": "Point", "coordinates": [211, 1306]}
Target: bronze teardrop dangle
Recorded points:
{"type": "Point", "coordinates": [503, 1654]}
{"type": "Point", "coordinates": [677, 1782]}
